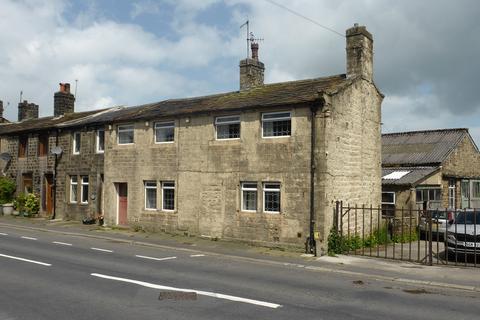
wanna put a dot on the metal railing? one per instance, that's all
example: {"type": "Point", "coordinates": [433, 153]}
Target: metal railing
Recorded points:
{"type": "Point", "coordinates": [428, 236]}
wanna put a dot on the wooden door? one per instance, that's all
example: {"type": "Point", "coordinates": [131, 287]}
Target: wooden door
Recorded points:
{"type": "Point", "coordinates": [49, 194]}
{"type": "Point", "coordinates": [122, 203]}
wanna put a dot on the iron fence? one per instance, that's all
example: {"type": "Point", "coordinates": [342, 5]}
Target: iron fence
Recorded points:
{"type": "Point", "coordinates": [428, 236]}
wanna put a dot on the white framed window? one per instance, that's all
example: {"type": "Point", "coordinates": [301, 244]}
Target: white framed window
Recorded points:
{"type": "Point", "coordinates": [276, 124]}
{"type": "Point", "coordinates": [73, 189]}
{"type": "Point", "coordinates": [164, 132]}
{"type": "Point", "coordinates": [433, 195]}
{"type": "Point", "coordinates": [76, 142]}
{"type": "Point", "coordinates": [227, 127]}
{"type": "Point", "coordinates": [451, 193]}
{"type": "Point", "coordinates": [84, 190]}
{"type": "Point", "coordinates": [249, 196]}
{"type": "Point", "coordinates": [125, 133]}
{"type": "Point", "coordinates": [388, 197]}
{"type": "Point", "coordinates": [150, 195]}
{"type": "Point", "coordinates": [168, 196]}
{"type": "Point", "coordinates": [271, 197]}
{"type": "Point", "coordinates": [100, 141]}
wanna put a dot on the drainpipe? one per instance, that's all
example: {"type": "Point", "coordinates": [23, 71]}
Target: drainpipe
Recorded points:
{"type": "Point", "coordinates": [55, 178]}
{"type": "Point", "coordinates": [312, 247]}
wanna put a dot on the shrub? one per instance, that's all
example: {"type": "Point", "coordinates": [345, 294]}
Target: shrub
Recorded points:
{"type": "Point", "coordinates": [7, 189]}
{"type": "Point", "coordinates": [32, 204]}
{"type": "Point", "coordinates": [19, 202]}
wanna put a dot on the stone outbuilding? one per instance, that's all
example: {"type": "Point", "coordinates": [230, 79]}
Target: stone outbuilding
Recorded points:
{"type": "Point", "coordinates": [441, 167]}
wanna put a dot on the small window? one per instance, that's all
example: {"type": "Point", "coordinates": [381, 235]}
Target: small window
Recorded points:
{"type": "Point", "coordinates": [22, 146]}
{"type": "Point", "coordinates": [150, 195]}
{"type": "Point", "coordinates": [100, 141]}
{"type": "Point", "coordinates": [277, 124]}
{"type": "Point", "coordinates": [84, 191]}
{"type": "Point", "coordinates": [76, 142]}
{"type": "Point", "coordinates": [249, 196]}
{"type": "Point", "coordinates": [125, 134]}
{"type": "Point", "coordinates": [27, 182]}
{"type": "Point", "coordinates": [73, 189]}
{"type": "Point", "coordinates": [451, 193]}
{"type": "Point", "coordinates": [271, 197]}
{"type": "Point", "coordinates": [168, 196]}
{"type": "Point", "coordinates": [475, 189]}
{"type": "Point", "coordinates": [227, 127]}
{"type": "Point", "coordinates": [388, 197]}
{"type": "Point", "coordinates": [164, 132]}
{"type": "Point", "coordinates": [43, 145]}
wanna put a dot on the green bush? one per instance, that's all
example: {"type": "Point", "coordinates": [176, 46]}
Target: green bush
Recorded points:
{"type": "Point", "coordinates": [19, 202]}
{"type": "Point", "coordinates": [32, 204]}
{"type": "Point", "coordinates": [7, 189]}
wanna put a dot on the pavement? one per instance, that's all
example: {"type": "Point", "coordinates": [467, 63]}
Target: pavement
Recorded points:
{"type": "Point", "coordinates": [439, 276]}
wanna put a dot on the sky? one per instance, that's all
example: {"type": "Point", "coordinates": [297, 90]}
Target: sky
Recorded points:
{"type": "Point", "coordinates": [119, 52]}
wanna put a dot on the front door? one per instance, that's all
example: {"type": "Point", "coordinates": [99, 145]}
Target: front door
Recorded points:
{"type": "Point", "coordinates": [122, 203]}
{"type": "Point", "coordinates": [49, 194]}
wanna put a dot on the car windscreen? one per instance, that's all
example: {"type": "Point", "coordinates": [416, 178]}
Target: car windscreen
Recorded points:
{"type": "Point", "coordinates": [468, 217]}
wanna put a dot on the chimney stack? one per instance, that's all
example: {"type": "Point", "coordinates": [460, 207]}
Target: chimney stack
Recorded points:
{"type": "Point", "coordinates": [27, 111]}
{"type": "Point", "coordinates": [1, 111]}
{"type": "Point", "coordinates": [359, 52]}
{"type": "Point", "coordinates": [251, 70]}
{"type": "Point", "coordinates": [63, 101]}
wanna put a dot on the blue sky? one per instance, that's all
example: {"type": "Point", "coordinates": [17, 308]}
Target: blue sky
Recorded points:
{"type": "Point", "coordinates": [133, 52]}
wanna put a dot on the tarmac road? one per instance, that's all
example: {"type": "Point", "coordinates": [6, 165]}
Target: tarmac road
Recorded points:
{"type": "Point", "coordinates": [54, 276]}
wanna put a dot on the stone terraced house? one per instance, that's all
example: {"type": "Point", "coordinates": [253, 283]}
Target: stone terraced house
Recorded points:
{"type": "Point", "coordinates": [263, 164]}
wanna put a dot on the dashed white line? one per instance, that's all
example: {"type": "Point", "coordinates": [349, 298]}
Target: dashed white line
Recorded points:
{"type": "Point", "coordinates": [152, 258]}
{"type": "Point", "coordinates": [29, 238]}
{"type": "Point", "coordinates": [103, 250]}
{"type": "Point", "coordinates": [3, 234]}
{"type": "Point", "coordinates": [202, 293]}
{"type": "Point", "coordinates": [62, 243]}
{"type": "Point", "coordinates": [197, 255]}
{"type": "Point", "coordinates": [26, 260]}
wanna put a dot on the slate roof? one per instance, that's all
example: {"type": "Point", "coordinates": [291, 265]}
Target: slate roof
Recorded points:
{"type": "Point", "coordinates": [268, 95]}
{"type": "Point", "coordinates": [418, 148]}
{"type": "Point", "coordinates": [414, 175]}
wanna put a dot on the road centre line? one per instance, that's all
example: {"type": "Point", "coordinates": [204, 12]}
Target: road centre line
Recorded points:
{"type": "Point", "coordinates": [62, 243]}
{"type": "Point", "coordinates": [3, 234]}
{"type": "Point", "coordinates": [202, 293]}
{"type": "Point", "coordinates": [197, 255]}
{"type": "Point", "coordinates": [103, 250]}
{"type": "Point", "coordinates": [25, 260]}
{"type": "Point", "coordinates": [29, 238]}
{"type": "Point", "coordinates": [152, 258]}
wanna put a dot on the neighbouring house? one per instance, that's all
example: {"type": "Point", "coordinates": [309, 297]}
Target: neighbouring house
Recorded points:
{"type": "Point", "coordinates": [264, 164]}
{"type": "Point", "coordinates": [440, 167]}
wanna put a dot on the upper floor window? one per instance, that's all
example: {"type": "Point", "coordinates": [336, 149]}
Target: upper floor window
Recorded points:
{"type": "Point", "coordinates": [43, 145]}
{"type": "Point", "coordinates": [271, 197]}
{"type": "Point", "coordinates": [100, 141]}
{"type": "Point", "coordinates": [22, 146]}
{"type": "Point", "coordinates": [164, 132]}
{"type": "Point", "coordinates": [125, 134]}
{"type": "Point", "coordinates": [276, 124]}
{"type": "Point", "coordinates": [227, 127]}
{"type": "Point", "coordinates": [84, 190]}
{"type": "Point", "coordinates": [76, 142]}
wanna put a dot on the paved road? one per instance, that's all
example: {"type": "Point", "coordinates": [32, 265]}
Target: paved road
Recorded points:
{"type": "Point", "coordinates": [45, 276]}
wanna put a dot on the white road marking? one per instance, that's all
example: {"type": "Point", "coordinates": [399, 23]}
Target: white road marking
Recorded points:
{"type": "Point", "coordinates": [29, 238]}
{"type": "Point", "coordinates": [103, 250]}
{"type": "Point", "coordinates": [3, 234]}
{"type": "Point", "coordinates": [62, 243]}
{"type": "Point", "coordinates": [26, 260]}
{"type": "Point", "coordinates": [152, 258]}
{"type": "Point", "coordinates": [197, 255]}
{"type": "Point", "coordinates": [203, 293]}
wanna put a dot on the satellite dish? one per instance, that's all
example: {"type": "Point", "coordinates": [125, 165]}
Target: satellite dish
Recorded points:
{"type": "Point", "coordinates": [5, 156]}
{"type": "Point", "coordinates": [56, 150]}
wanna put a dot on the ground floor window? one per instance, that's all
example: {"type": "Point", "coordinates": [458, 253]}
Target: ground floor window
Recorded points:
{"type": "Point", "coordinates": [249, 196]}
{"type": "Point", "coordinates": [271, 197]}
{"type": "Point", "coordinates": [150, 195]}
{"type": "Point", "coordinates": [84, 190]}
{"type": "Point", "coordinates": [431, 195]}
{"type": "Point", "coordinates": [470, 192]}
{"type": "Point", "coordinates": [168, 195]}
{"type": "Point", "coordinates": [388, 203]}
{"type": "Point", "coordinates": [73, 189]}
{"type": "Point", "coordinates": [451, 194]}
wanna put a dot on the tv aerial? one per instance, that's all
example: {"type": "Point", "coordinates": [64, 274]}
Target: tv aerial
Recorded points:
{"type": "Point", "coordinates": [250, 37]}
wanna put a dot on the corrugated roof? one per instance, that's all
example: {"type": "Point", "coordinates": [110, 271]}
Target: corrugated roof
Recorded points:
{"type": "Point", "coordinates": [414, 175]}
{"type": "Point", "coordinates": [429, 147]}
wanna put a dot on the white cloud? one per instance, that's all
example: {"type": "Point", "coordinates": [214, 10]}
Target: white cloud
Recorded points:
{"type": "Point", "coordinates": [144, 7]}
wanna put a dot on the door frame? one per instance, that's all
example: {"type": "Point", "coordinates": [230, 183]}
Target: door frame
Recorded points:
{"type": "Point", "coordinates": [117, 188]}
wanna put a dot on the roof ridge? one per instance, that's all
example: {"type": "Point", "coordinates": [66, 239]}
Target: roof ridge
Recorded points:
{"type": "Point", "coordinates": [424, 131]}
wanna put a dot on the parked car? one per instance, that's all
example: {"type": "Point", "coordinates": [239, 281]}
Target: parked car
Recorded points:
{"type": "Point", "coordinates": [463, 236]}
{"type": "Point", "coordinates": [441, 220]}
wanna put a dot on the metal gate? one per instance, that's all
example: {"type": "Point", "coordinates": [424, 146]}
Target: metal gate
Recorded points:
{"type": "Point", "coordinates": [439, 236]}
